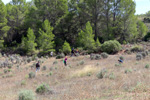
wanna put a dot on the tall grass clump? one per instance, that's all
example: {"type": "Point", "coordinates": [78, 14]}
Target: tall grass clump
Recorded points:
{"type": "Point", "coordinates": [26, 95]}
{"type": "Point", "coordinates": [43, 89]}
{"type": "Point", "coordinates": [31, 75]}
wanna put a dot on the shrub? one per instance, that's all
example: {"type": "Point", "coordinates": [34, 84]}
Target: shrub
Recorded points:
{"type": "Point", "coordinates": [136, 48]}
{"type": "Point", "coordinates": [138, 56]}
{"type": "Point", "coordinates": [146, 52]}
{"type": "Point", "coordinates": [102, 73]}
{"type": "Point", "coordinates": [44, 68]}
{"type": "Point", "coordinates": [9, 66]}
{"type": "Point", "coordinates": [104, 55]}
{"type": "Point", "coordinates": [51, 73]}
{"type": "Point", "coordinates": [112, 76]}
{"type": "Point", "coordinates": [147, 37]}
{"type": "Point", "coordinates": [81, 62]}
{"type": "Point", "coordinates": [9, 70]}
{"type": "Point", "coordinates": [42, 89]}
{"type": "Point", "coordinates": [98, 57]}
{"type": "Point", "coordinates": [92, 56]}
{"type": "Point", "coordinates": [26, 95]}
{"type": "Point", "coordinates": [111, 46]}
{"type": "Point", "coordinates": [147, 66]}
{"type": "Point", "coordinates": [66, 48]}
{"type": "Point", "coordinates": [23, 82]}
{"type": "Point", "coordinates": [62, 55]}
{"type": "Point", "coordinates": [55, 62]}
{"type": "Point", "coordinates": [128, 71]}
{"type": "Point", "coordinates": [121, 57]}
{"type": "Point", "coordinates": [143, 54]}
{"type": "Point", "coordinates": [31, 75]}
{"type": "Point", "coordinates": [29, 60]}
{"type": "Point", "coordinates": [5, 70]}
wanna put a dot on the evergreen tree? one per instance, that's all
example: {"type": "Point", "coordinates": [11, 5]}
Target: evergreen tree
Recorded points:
{"type": "Point", "coordinates": [97, 44]}
{"type": "Point", "coordinates": [66, 48]}
{"type": "Point", "coordinates": [46, 38]}
{"type": "Point", "coordinates": [28, 43]}
{"type": "Point", "coordinates": [86, 37]}
{"type": "Point", "coordinates": [3, 23]}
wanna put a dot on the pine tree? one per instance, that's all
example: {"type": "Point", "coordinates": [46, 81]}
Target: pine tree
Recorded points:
{"type": "Point", "coordinates": [3, 23]}
{"type": "Point", "coordinates": [86, 38]}
{"type": "Point", "coordinates": [28, 43]}
{"type": "Point", "coordinates": [66, 48]}
{"type": "Point", "coordinates": [97, 44]}
{"type": "Point", "coordinates": [46, 38]}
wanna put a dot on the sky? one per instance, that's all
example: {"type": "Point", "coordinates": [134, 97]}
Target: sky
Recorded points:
{"type": "Point", "coordinates": [142, 6]}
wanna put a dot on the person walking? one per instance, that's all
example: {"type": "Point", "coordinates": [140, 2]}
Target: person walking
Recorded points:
{"type": "Point", "coordinates": [38, 66]}
{"type": "Point", "coordinates": [65, 61]}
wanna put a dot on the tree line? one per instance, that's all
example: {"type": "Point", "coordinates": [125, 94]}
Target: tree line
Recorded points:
{"type": "Point", "coordinates": [45, 25]}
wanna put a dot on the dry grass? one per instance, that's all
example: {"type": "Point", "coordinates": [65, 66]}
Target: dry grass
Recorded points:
{"type": "Point", "coordinates": [125, 86]}
{"type": "Point", "coordinates": [87, 70]}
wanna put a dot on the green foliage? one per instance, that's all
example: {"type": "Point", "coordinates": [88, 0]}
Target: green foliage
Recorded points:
{"type": "Point", "coordinates": [111, 46]}
{"type": "Point", "coordinates": [147, 66]}
{"type": "Point", "coordinates": [136, 48]}
{"type": "Point", "coordinates": [104, 55]}
{"type": "Point", "coordinates": [86, 38]}
{"type": "Point", "coordinates": [31, 75]}
{"type": "Point", "coordinates": [98, 45]}
{"type": "Point", "coordinates": [46, 38]}
{"type": "Point", "coordinates": [28, 43]}
{"type": "Point", "coordinates": [147, 37]}
{"type": "Point", "coordinates": [121, 58]}
{"type": "Point", "coordinates": [26, 95]}
{"type": "Point", "coordinates": [102, 73]}
{"type": "Point", "coordinates": [42, 89]}
{"type": "Point", "coordinates": [138, 56]}
{"type": "Point", "coordinates": [59, 56]}
{"type": "Point", "coordinates": [128, 71]}
{"type": "Point", "coordinates": [44, 68]}
{"type": "Point", "coordinates": [95, 57]}
{"type": "Point", "coordinates": [66, 48]}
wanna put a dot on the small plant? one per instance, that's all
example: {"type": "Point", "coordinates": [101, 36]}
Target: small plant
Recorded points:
{"type": "Point", "coordinates": [51, 73]}
{"type": "Point", "coordinates": [29, 60]}
{"type": "Point", "coordinates": [112, 76]}
{"type": "Point", "coordinates": [23, 82]}
{"type": "Point", "coordinates": [97, 64]}
{"type": "Point", "coordinates": [5, 70]}
{"type": "Point", "coordinates": [98, 57]}
{"type": "Point", "coordinates": [136, 48]}
{"type": "Point", "coordinates": [102, 73]}
{"type": "Point", "coordinates": [9, 66]}
{"type": "Point", "coordinates": [147, 66]}
{"type": "Point", "coordinates": [26, 95]}
{"type": "Point", "coordinates": [9, 70]}
{"type": "Point", "coordinates": [143, 54]}
{"type": "Point", "coordinates": [44, 68]}
{"type": "Point", "coordinates": [81, 62]}
{"type": "Point", "coordinates": [104, 55]}
{"type": "Point", "coordinates": [55, 62]}
{"type": "Point", "coordinates": [118, 65]}
{"type": "Point", "coordinates": [146, 52]}
{"type": "Point", "coordinates": [62, 55]}
{"type": "Point", "coordinates": [128, 71]}
{"type": "Point", "coordinates": [42, 89]}
{"type": "Point", "coordinates": [121, 58]}
{"type": "Point", "coordinates": [31, 75]}
{"type": "Point", "coordinates": [138, 56]}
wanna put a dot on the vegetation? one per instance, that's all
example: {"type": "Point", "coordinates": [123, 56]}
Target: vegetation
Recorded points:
{"type": "Point", "coordinates": [26, 95]}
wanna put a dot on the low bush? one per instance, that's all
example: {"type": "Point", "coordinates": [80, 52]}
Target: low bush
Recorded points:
{"type": "Point", "coordinates": [26, 95]}
{"type": "Point", "coordinates": [31, 75]}
{"type": "Point", "coordinates": [43, 89]}
{"type": "Point", "coordinates": [144, 54]}
{"type": "Point", "coordinates": [102, 73]}
{"type": "Point", "coordinates": [136, 48]}
{"type": "Point", "coordinates": [44, 68]}
{"type": "Point", "coordinates": [128, 71]}
{"type": "Point", "coordinates": [59, 56]}
{"type": "Point", "coordinates": [138, 56]}
{"type": "Point", "coordinates": [104, 55]}
{"type": "Point", "coordinates": [55, 62]}
{"type": "Point", "coordinates": [111, 46]}
{"type": "Point", "coordinates": [147, 66]}
{"type": "Point", "coordinates": [121, 58]}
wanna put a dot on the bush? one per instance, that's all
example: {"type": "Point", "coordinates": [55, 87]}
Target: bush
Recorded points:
{"type": "Point", "coordinates": [95, 56]}
{"type": "Point", "coordinates": [23, 82]}
{"type": "Point", "coordinates": [102, 73]}
{"type": "Point", "coordinates": [121, 58]}
{"type": "Point", "coordinates": [147, 37]}
{"type": "Point", "coordinates": [55, 62]}
{"type": "Point", "coordinates": [128, 71]}
{"type": "Point", "coordinates": [104, 55]}
{"type": "Point", "coordinates": [29, 60]}
{"type": "Point", "coordinates": [147, 66]}
{"type": "Point", "coordinates": [26, 95]}
{"type": "Point", "coordinates": [31, 75]}
{"type": "Point", "coordinates": [136, 48]}
{"type": "Point", "coordinates": [66, 48]}
{"type": "Point", "coordinates": [42, 89]}
{"type": "Point", "coordinates": [81, 62]}
{"type": "Point", "coordinates": [5, 70]}
{"type": "Point", "coordinates": [138, 56]}
{"type": "Point", "coordinates": [44, 68]}
{"type": "Point", "coordinates": [111, 46]}
{"type": "Point", "coordinates": [143, 54]}
{"type": "Point", "coordinates": [146, 52]}
{"type": "Point", "coordinates": [98, 57]}
{"type": "Point", "coordinates": [62, 55]}
{"type": "Point", "coordinates": [112, 76]}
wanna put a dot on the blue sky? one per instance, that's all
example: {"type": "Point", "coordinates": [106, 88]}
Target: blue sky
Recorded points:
{"type": "Point", "coordinates": [142, 6]}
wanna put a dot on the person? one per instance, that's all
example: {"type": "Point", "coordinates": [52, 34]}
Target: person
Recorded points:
{"type": "Point", "coordinates": [65, 61]}
{"type": "Point", "coordinates": [51, 53]}
{"type": "Point", "coordinates": [38, 66]}
{"type": "Point", "coordinates": [120, 61]}
{"type": "Point", "coordinates": [72, 51]}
